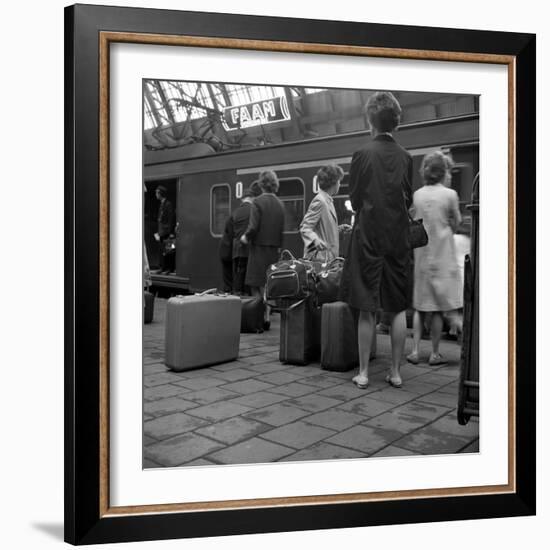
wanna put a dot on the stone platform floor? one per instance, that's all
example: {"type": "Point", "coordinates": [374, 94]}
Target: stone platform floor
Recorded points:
{"type": "Point", "coordinates": [257, 410]}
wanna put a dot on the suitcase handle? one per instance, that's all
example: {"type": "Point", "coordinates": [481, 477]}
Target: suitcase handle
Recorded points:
{"type": "Point", "coordinates": [287, 253]}
{"type": "Point", "coordinates": [209, 291]}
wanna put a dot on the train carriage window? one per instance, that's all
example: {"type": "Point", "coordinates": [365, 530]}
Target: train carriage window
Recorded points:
{"type": "Point", "coordinates": [220, 208]}
{"type": "Point", "coordinates": [292, 195]}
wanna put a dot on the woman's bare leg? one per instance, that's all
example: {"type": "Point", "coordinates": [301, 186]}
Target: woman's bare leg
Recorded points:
{"type": "Point", "coordinates": [418, 327]}
{"type": "Point", "coordinates": [435, 331]}
{"type": "Point", "coordinates": [365, 332]}
{"type": "Point", "coordinates": [398, 333]}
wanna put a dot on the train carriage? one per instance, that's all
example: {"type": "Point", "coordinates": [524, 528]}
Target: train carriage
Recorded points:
{"type": "Point", "coordinates": [206, 187]}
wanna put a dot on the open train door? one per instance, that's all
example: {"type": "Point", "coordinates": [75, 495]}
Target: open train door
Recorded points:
{"type": "Point", "coordinates": [150, 216]}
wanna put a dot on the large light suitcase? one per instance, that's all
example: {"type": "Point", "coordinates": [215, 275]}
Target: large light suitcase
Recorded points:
{"type": "Point", "coordinates": [339, 346]}
{"type": "Point", "coordinates": [201, 330]}
{"type": "Point", "coordinates": [299, 334]}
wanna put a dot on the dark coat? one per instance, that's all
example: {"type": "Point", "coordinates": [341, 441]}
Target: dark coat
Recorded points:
{"type": "Point", "coordinates": [226, 242]}
{"type": "Point", "coordinates": [377, 271]}
{"type": "Point", "coordinates": [166, 219]}
{"type": "Point", "coordinates": [267, 221]}
{"type": "Point", "coordinates": [241, 218]}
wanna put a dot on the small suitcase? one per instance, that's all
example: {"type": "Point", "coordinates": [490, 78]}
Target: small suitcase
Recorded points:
{"type": "Point", "coordinates": [252, 315]}
{"type": "Point", "coordinates": [148, 307]}
{"type": "Point", "coordinates": [339, 346]}
{"type": "Point", "coordinates": [201, 330]}
{"type": "Point", "coordinates": [299, 334]}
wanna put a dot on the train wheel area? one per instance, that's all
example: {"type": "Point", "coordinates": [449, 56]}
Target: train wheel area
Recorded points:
{"type": "Point", "coordinates": [256, 409]}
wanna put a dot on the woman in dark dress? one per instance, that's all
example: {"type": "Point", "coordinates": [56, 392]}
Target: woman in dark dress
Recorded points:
{"type": "Point", "coordinates": [264, 234]}
{"type": "Point", "coordinates": [377, 271]}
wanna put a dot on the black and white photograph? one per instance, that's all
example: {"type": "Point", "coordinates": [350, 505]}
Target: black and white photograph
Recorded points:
{"type": "Point", "coordinates": [310, 273]}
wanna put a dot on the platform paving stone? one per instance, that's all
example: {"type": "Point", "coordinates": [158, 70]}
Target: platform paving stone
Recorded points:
{"type": "Point", "coordinates": [471, 448]}
{"type": "Point", "coordinates": [259, 399]}
{"type": "Point", "coordinates": [171, 425]}
{"type": "Point", "coordinates": [294, 389]}
{"type": "Point", "coordinates": [148, 440]}
{"type": "Point", "coordinates": [408, 370]}
{"type": "Point", "coordinates": [159, 379]}
{"type": "Point", "coordinates": [224, 367]}
{"type": "Point", "coordinates": [366, 406]}
{"type": "Point", "coordinates": [314, 402]}
{"type": "Point", "coordinates": [323, 380]}
{"type": "Point", "coordinates": [422, 411]}
{"type": "Point", "coordinates": [397, 421]}
{"type": "Point", "coordinates": [433, 441]}
{"type": "Point", "coordinates": [334, 419]}
{"type": "Point", "coordinates": [297, 435]}
{"type": "Point", "coordinates": [155, 368]}
{"type": "Point", "coordinates": [305, 371]}
{"type": "Point", "coordinates": [323, 451]}
{"type": "Point", "coordinates": [440, 398]}
{"type": "Point", "coordinates": [450, 388]}
{"type": "Point", "coordinates": [346, 392]}
{"type": "Point", "coordinates": [162, 392]}
{"type": "Point", "coordinates": [234, 375]}
{"type": "Point", "coordinates": [209, 395]}
{"type": "Point", "coordinates": [391, 450]}
{"type": "Point", "coordinates": [147, 463]}
{"type": "Point", "coordinates": [181, 449]}
{"type": "Point", "coordinates": [201, 383]}
{"type": "Point", "coordinates": [256, 360]}
{"type": "Point", "coordinates": [252, 451]}
{"type": "Point", "coordinates": [435, 379]}
{"type": "Point", "coordinates": [266, 368]}
{"type": "Point", "coordinates": [214, 412]}
{"type": "Point", "coordinates": [450, 370]}
{"type": "Point", "coordinates": [397, 396]}
{"type": "Point", "coordinates": [162, 407]}
{"type": "Point", "coordinates": [277, 414]}
{"type": "Point", "coordinates": [416, 386]}
{"type": "Point", "coordinates": [450, 425]}
{"type": "Point", "coordinates": [233, 430]}
{"type": "Point", "coordinates": [281, 377]}
{"type": "Point", "coordinates": [248, 386]}
{"type": "Point", "coordinates": [362, 438]}
{"type": "Point", "coordinates": [200, 462]}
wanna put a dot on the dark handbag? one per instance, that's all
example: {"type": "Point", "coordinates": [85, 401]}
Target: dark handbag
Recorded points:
{"type": "Point", "coordinates": [417, 233]}
{"type": "Point", "coordinates": [327, 284]}
{"type": "Point", "coordinates": [169, 246]}
{"type": "Point", "coordinates": [289, 278]}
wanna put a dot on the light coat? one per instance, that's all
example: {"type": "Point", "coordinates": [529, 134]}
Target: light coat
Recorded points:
{"type": "Point", "coordinates": [320, 223]}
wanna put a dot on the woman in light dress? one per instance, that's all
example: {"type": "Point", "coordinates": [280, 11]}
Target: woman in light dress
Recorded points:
{"type": "Point", "coordinates": [437, 285]}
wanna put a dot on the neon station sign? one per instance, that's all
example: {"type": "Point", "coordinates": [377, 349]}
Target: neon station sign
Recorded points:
{"type": "Point", "coordinates": [258, 113]}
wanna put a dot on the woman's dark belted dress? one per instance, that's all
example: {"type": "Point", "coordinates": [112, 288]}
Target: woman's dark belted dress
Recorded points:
{"type": "Point", "coordinates": [377, 272]}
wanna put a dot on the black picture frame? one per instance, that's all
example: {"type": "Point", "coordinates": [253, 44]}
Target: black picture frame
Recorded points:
{"type": "Point", "coordinates": [87, 520]}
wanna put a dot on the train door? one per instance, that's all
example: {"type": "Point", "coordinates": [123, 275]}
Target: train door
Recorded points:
{"type": "Point", "coordinates": [150, 216]}
{"type": "Point", "coordinates": [205, 201]}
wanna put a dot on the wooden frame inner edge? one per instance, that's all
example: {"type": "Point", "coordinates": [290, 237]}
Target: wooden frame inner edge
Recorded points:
{"type": "Point", "coordinates": [105, 39]}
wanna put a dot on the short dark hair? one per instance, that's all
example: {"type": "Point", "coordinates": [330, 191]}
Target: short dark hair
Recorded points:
{"type": "Point", "coordinates": [253, 190]}
{"type": "Point", "coordinates": [329, 175]}
{"type": "Point", "coordinates": [383, 111]}
{"type": "Point", "coordinates": [434, 167]}
{"type": "Point", "coordinates": [269, 182]}
{"type": "Point", "coordinates": [163, 192]}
